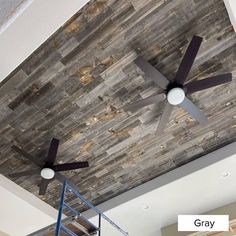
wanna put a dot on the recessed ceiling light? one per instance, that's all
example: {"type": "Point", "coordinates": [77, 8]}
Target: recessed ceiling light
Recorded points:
{"type": "Point", "coordinates": [145, 207]}
{"type": "Point", "coordinates": [225, 174]}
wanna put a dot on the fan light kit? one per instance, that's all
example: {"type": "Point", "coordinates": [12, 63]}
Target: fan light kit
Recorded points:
{"type": "Point", "coordinates": [175, 96]}
{"type": "Point", "coordinates": [175, 92]}
{"type": "Point", "coordinates": [47, 173]}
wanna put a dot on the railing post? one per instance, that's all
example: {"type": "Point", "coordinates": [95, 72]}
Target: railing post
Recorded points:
{"type": "Point", "coordinates": [99, 224]}
{"type": "Point", "coordinates": [88, 203]}
{"type": "Point", "coordinates": [58, 228]}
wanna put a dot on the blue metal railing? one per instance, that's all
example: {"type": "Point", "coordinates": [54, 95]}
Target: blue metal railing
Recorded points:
{"type": "Point", "coordinates": [63, 204]}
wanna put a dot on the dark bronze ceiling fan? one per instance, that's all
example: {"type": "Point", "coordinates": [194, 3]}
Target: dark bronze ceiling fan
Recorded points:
{"type": "Point", "coordinates": [48, 171]}
{"type": "Point", "coordinates": [174, 92]}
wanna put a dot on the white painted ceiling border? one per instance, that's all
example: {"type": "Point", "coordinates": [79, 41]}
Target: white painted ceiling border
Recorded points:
{"type": "Point", "coordinates": [174, 175]}
{"type": "Point", "coordinates": [28, 197]}
{"type": "Point", "coordinates": [18, 11]}
{"type": "Point", "coordinates": [231, 8]}
{"type": "Point", "coordinates": [36, 23]}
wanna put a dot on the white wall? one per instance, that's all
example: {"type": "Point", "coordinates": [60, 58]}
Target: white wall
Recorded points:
{"type": "Point", "coordinates": [30, 29]}
{"type": "Point", "coordinates": [21, 212]}
{"type": "Point", "coordinates": [229, 209]}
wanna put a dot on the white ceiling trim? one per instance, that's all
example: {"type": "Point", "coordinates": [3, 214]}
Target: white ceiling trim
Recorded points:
{"type": "Point", "coordinates": [231, 8]}
{"type": "Point", "coordinates": [28, 197]}
{"type": "Point", "coordinates": [17, 12]}
{"type": "Point", "coordinates": [30, 27]}
{"type": "Point", "coordinates": [194, 188]}
{"type": "Point", "coordinates": [172, 176]}
{"type": "Point", "coordinates": [22, 213]}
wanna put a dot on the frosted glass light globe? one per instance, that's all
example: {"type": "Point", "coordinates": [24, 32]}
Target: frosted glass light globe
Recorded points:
{"type": "Point", "coordinates": [47, 173]}
{"type": "Point", "coordinates": [175, 96]}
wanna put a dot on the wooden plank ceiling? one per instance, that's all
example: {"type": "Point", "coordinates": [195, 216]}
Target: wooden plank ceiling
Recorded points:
{"type": "Point", "coordinates": [74, 85]}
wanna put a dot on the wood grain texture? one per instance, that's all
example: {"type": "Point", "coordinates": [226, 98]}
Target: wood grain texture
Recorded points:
{"type": "Point", "coordinates": [73, 86]}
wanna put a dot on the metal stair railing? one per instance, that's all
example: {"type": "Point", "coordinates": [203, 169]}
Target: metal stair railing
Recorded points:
{"type": "Point", "coordinates": [61, 227]}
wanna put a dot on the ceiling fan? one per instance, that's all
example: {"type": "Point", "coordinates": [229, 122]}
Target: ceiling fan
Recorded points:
{"type": "Point", "coordinates": [48, 170]}
{"type": "Point", "coordinates": [174, 92]}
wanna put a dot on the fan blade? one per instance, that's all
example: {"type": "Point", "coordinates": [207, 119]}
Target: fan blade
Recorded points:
{"type": "Point", "coordinates": [71, 166]}
{"type": "Point", "coordinates": [43, 186]}
{"type": "Point", "coordinates": [193, 110]}
{"type": "Point", "coordinates": [152, 72]}
{"type": "Point", "coordinates": [52, 152]}
{"type": "Point", "coordinates": [24, 173]}
{"type": "Point", "coordinates": [188, 59]}
{"type": "Point", "coordinates": [164, 118]}
{"type": "Point", "coordinates": [199, 85]}
{"type": "Point", "coordinates": [144, 102]}
{"type": "Point", "coordinates": [25, 154]}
